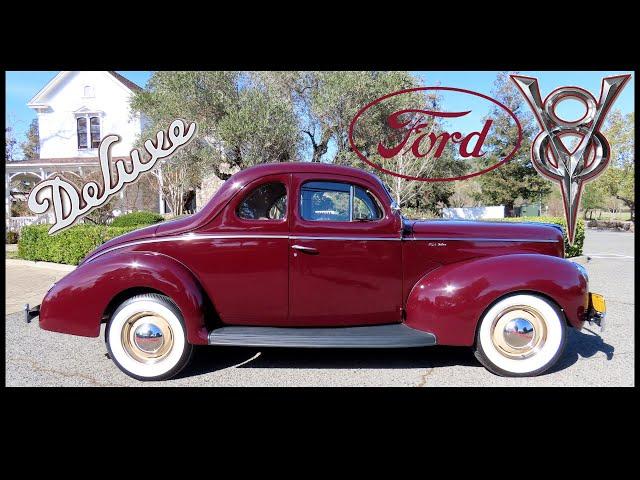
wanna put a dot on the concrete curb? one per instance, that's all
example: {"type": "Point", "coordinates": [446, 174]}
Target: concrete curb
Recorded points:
{"type": "Point", "coordinates": [49, 265]}
{"type": "Point", "coordinates": [582, 259]}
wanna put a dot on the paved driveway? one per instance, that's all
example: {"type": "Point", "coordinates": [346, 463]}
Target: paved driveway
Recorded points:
{"type": "Point", "coordinates": [36, 357]}
{"type": "Point", "coordinates": [28, 284]}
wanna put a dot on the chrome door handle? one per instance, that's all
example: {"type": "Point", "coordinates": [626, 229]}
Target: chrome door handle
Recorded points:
{"type": "Point", "coordinates": [305, 249]}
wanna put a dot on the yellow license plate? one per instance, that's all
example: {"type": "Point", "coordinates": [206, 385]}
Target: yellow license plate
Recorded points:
{"type": "Point", "coordinates": [597, 302]}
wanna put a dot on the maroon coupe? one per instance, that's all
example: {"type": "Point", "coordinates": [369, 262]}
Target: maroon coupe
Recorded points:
{"type": "Point", "coordinates": [314, 255]}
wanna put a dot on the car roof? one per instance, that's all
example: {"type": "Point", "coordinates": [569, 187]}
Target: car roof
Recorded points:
{"type": "Point", "coordinates": [303, 167]}
{"type": "Point", "coordinates": [244, 177]}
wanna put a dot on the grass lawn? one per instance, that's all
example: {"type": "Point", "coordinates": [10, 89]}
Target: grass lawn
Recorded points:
{"type": "Point", "coordinates": [605, 215]}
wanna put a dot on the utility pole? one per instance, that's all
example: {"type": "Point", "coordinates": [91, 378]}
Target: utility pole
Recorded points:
{"type": "Point", "coordinates": [540, 205]}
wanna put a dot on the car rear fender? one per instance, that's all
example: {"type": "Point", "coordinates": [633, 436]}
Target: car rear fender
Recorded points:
{"type": "Point", "coordinates": [77, 303]}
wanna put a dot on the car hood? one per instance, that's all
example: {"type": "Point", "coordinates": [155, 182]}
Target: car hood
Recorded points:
{"type": "Point", "coordinates": [460, 230]}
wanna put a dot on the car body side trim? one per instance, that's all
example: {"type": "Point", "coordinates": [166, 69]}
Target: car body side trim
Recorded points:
{"type": "Point", "coordinates": [382, 239]}
{"type": "Point", "coordinates": [189, 237]}
{"type": "Point", "coordinates": [483, 239]}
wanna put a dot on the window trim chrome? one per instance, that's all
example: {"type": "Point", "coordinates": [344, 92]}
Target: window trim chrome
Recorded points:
{"type": "Point", "coordinates": [352, 186]}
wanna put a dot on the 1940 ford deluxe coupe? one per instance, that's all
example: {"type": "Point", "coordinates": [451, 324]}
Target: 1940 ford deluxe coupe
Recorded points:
{"type": "Point", "coordinates": [313, 255]}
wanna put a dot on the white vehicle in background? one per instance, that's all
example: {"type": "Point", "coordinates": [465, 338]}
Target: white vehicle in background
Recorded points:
{"type": "Point", "coordinates": [473, 213]}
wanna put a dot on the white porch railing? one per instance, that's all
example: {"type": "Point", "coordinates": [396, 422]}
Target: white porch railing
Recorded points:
{"type": "Point", "coordinates": [15, 224]}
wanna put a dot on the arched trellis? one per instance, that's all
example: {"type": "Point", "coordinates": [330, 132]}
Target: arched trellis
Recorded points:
{"type": "Point", "coordinates": [37, 175]}
{"type": "Point", "coordinates": [45, 169]}
{"type": "Point", "coordinates": [15, 175]}
{"type": "Point", "coordinates": [41, 171]}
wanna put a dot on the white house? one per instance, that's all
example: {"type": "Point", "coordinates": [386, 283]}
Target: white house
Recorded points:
{"type": "Point", "coordinates": [75, 111]}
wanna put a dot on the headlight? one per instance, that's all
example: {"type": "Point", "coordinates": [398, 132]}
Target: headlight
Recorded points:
{"type": "Point", "coordinates": [582, 270]}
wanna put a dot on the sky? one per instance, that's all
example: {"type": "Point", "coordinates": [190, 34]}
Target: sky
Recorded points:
{"type": "Point", "coordinates": [22, 86]}
{"type": "Point", "coordinates": [482, 82]}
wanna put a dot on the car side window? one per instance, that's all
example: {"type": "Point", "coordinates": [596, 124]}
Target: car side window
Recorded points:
{"type": "Point", "coordinates": [365, 206]}
{"type": "Point", "coordinates": [337, 202]}
{"type": "Point", "coordinates": [266, 202]}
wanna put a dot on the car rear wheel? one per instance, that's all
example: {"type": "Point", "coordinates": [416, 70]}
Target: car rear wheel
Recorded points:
{"type": "Point", "coordinates": [146, 338]}
{"type": "Point", "coordinates": [520, 336]}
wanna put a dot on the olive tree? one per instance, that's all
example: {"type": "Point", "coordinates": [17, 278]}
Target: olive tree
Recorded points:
{"type": "Point", "coordinates": [248, 118]}
{"type": "Point", "coordinates": [238, 126]}
{"type": "Point", "coordinates": [619, 179]}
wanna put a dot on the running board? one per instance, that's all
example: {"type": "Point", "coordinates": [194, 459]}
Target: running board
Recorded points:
{"type": "Point", "coordinates": [396, 335]}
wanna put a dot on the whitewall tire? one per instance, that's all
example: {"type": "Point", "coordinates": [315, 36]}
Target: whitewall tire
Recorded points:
{"type": "Point", "coordinates": [146, 338]}
{"type": "Point", "coordinates": [521, 335]}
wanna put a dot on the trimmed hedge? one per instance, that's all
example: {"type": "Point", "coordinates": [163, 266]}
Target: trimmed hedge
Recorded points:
{"type": "Point", "coordinates": [72, 245]}
{"type": "Point", "coordinates": [68, 246]}
{"type": "Point", "coordinates": [136, 219]}
{"type": "Point", "coordinates": [611, 225]}
{"type": "Point", "coordinates": [569, 251]}
{"type": "Point", "coordinates": [415, 214]}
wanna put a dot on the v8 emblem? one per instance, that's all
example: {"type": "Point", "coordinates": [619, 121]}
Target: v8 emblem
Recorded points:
{"type": "Point", "coordinates": [550, 156]}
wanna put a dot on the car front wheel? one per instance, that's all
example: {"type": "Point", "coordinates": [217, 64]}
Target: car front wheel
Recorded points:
{"type": "Point", "coordinates": [521, 335]}
{"type": "Point", "coordinates": [146, 338]}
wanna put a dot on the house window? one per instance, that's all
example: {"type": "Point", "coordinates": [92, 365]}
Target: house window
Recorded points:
{"type": "Point", "coordinates": [95, 132]}
{"type": "Point", "coordinates": [82, 132]}
{"type": "Point", "coordinates": [88, 91]}
{"type": "Point", "coordinates": [88, 132]}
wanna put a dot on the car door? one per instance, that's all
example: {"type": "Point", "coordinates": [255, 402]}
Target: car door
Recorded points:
{"type": "Point", "coordinates": [345, 253]}
{"type": "Point", "coordinates": [241, 257]}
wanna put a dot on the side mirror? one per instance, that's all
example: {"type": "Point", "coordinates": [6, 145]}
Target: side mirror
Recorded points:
{"type": "Point", "coordinates": [395, 208]}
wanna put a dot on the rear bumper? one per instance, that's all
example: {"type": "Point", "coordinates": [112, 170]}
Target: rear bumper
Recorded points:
{"type": "Point", "coordinates": [597, 311]}
{"type": "Point", "coordinates": [31, 313]}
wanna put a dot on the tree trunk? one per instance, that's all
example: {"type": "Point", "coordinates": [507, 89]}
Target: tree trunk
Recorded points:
{"type": "Point", "coordinates": [321, 148]}
{"type": "Point", "coordinates": [221, 175]}
{"type": "Point", "coordinates": [629, 203]}
{"type": "Point", "coordinates": [509, 208]}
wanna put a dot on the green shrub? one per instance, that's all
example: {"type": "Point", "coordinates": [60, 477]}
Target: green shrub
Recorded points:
{"type": "Point", "coordinates": [569, 251]}
{"type": "Point", "coordinates": [137, 219]}
{"type": "Point", "coordinates": [68, 246]}
{"type": "Point", "coordinates": [611, 225]}
{"type": "Point", "coordinates": [415, 214]}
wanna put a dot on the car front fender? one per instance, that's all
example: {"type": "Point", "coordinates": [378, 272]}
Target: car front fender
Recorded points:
{"type": "Point", "coordinates": [77, 303]}
{"type": "Point", "coordinates": [450, 300]}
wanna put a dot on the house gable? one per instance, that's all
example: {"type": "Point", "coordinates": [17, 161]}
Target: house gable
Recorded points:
{"type": "Point", "coordinates": [70, 96]}
{"type": "Point", "coordinates": [41, 98]}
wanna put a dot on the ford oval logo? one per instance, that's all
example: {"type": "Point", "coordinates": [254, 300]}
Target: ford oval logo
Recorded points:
{"type": "Point", "coordinates": [412, 135]}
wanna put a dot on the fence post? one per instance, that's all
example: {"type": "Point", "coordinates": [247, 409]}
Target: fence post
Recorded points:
{"type": "Point", "coordinates": [7, 195]}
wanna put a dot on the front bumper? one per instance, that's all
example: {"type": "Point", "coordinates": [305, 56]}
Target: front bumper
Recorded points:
{"type": "Point", "coordinates": [31, 313]}
{"type": "Point", "coordinates": [597, 311]}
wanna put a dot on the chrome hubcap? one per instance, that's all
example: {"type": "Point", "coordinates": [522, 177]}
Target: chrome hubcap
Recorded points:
{"type": "Point", "coordinates": [519, 332]}
{"type": "Point", "coordinates": [147, 337]}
